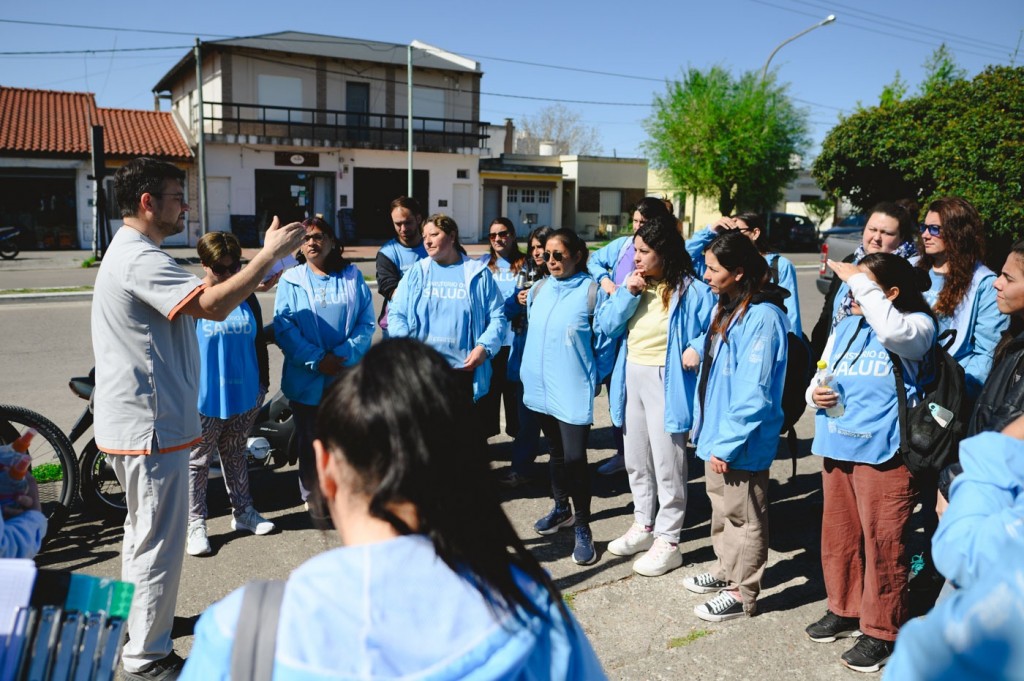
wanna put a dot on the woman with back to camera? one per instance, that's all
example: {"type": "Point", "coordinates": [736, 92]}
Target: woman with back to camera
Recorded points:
{"type": "Point", "coordinates": [961, 294]}
{"type": "Point", "coordinates": [656, 312]}
{"type": "Point", "coordinates": [890, 229]}
{"type": "Point", "coordinates": [450, 302]}
{"type": "Point", "coordinates": [867, 488]}
{"type": "Point", "coordinates": [432, 580]}
{"type": "Point", "coordinates": [527, 442]}
{"type": "Point", "coordinates": [233, 380]}
{"type": "Point", "coordinates": [742, 361]}
{"type": "Point", "coordinates": [505, 261]}
{"type": "Point", "coordinates": [323, 321]}
{"type": "Point", "coordinates": [559, 372]}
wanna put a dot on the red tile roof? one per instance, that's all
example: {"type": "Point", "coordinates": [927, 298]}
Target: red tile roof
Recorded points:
{"type": "Point", "coordinates": [46, 122]}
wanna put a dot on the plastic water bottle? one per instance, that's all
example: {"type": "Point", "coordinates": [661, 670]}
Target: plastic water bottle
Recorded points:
{"type": "Point", "coordinates": [14, 467]}
{"type": "Point", "coordinates": [825, 381]}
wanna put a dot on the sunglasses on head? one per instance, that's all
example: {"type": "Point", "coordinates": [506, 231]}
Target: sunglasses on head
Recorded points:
{"type": "Point", "coordinates": [500, 235]}
{"type": "Point", "coordinates": [221, 270]}
{"type": "Point", "coordinates": [934, 230]}
{"type": "Point", "coordinates": [557, 255]}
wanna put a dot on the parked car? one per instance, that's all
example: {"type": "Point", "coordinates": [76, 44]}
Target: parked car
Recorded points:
{"type": "Point", "coordinates": [789, 232]}
{"type": "Point", "coordinates": [837, 243]}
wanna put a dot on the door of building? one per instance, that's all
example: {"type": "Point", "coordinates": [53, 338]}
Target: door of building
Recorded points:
{"type": "Point", "coordinates": [374, 189]}
{"type": "Point", "coordinates": [357, 106]}
{"type": "Point", "coordinates": [293, 196]}
{"type": "Point", "coordinates": [218, 194]}
{"type": "Point", "coordinates": [529, 207]}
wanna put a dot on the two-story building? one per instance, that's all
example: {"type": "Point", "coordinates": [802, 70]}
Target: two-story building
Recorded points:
{"type": "Point", "coordinates": [297, 124]}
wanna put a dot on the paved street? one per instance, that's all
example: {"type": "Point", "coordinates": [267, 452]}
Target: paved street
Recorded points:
{"type": "Point", "coordinates": [641, 628]}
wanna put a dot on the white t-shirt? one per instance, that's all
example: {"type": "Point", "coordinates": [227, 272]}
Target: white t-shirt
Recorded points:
{"type": "Point", "coordinates": [147, 360]}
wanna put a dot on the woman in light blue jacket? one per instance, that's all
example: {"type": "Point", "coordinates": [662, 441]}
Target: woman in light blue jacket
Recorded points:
{"type": "Point", "coordinates": [450, 302]}
{"type": "Point", "coordinates": [739, 414]}
{"type": "Point", "coordinates": [432, 580]}
{"type": "Point", "coordinates": [559, 373]}
{"type": "Point", "coordinates": [654, 315]}
{"type": "Point", "coordinates": [323, 321]}
{"type": "Point", "coordinates": [868, 491]}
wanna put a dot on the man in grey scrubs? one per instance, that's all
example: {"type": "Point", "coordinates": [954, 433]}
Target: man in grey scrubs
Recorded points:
{"type": "Point", "coordinates": [147, 377]}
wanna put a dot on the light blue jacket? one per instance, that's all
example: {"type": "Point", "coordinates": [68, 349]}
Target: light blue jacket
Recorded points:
{"type": "Point", "coordinates": [695, 246]}
{"type": "Point", "coordinates": [977, 632]}
{"type": "Point", "coordinates": [689, 316]}
{"type": "Point", "coordinates": [306, 331]}
{"type": "Point", "coordinates": [979, 325]}
{"type": "Point", "coordinates": [22, 535]}
{"type": "Point", "coordinates": [407, 313]}
{"type": "Point", "coordinates": [740, 419]}
{"type": "Point", "coordinates": [395, 610]}
{"type": "Point", "coordinates": [603, 262]}
{"type": "Point", "coordinates": [559, 368]}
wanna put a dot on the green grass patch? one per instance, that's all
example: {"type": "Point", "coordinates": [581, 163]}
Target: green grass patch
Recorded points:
{"type": "Point", "coordinates": [58, 289]}
{"type": "Point", "coordinates": [570, 601]}
{"type": "Point", "coordinates": [48, 472]}
{"type": "Point", "coordinates": [694, 635]}
{"type": "Point", "coordinates": [88, 262]}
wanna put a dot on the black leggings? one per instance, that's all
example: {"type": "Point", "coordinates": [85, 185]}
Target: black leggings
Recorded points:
{"type": "Point", "coordinates": [569, 474]}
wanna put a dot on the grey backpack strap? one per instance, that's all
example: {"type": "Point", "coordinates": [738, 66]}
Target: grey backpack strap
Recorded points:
{"type": "Point", "coordinates": [252, 655]}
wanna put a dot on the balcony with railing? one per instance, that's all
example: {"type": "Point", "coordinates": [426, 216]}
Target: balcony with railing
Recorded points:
{"type": "Point", "coordinates": [295, 126]}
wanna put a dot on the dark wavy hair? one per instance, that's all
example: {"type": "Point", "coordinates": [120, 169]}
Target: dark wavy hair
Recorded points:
{"type": "Point", "coordinates": [650, 207]}
{"type": "Point", "coordinates": [891, 270]}
{"type": "Point", "coordinates": [735, 250]}
{"type": "Point", "coordinates": [1016, 318]}
{"type": "Point", "coordinates": [140, 176]}
{"type": "Point", "coordinates": [756, 221]}
{"type": "Point", "coordinates": [335, 261]}
{"type": "Point", "coordinates": [518, 258]}
{"type": "Point", "coordinates": [393, 419]}
{"type": "Point", "coordinates": [965, 248]}
{"type": "Point", "coordinates": [661, 236]}
{"type": "Point", "coordinates": [573, 243]}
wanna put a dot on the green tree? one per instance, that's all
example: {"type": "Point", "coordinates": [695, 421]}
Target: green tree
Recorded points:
{"type": "Point", "coordinates": [821, 209]}
{"type": "Point", "coordinates": [940, 71]}
{"type": "Point", "coordinates": [966, 138]}
{"type": "Point", "coordinates": [728, 138]}
{"type": "Point", "coordinates": [894, 91]}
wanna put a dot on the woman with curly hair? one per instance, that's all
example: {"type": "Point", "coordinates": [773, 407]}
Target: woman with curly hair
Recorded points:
{"type": "Point", "coordinates": [953, 247]}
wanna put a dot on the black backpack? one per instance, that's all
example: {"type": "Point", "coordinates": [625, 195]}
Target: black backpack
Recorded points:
{"type": "Point", "coordinates": [929, 444]}
{"type": "Point", "coordinates": [799, 371]}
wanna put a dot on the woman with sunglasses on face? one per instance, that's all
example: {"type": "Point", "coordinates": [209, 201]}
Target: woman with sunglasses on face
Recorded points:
{"type": "Point", "coordinates": [868, 491]}
{"type": "Point", "coordinates": [742, 362]}
{"type": "Point", "coordinates": [450, 302]}
{"type": "Point", "coordinates": [953, 247]}
{"type": "Point", "coordinates": [659, 309]}
{"type": "Point", "coordinates": [323, 321]}
{"type": "Point", "coordinates": [527, 443]}
{"type": "Point", "coordinates": [233, 380]}
{"type": "Point", "coordinates": [505, 261]}
{"type": "Point", "coordinates": [559, 372]}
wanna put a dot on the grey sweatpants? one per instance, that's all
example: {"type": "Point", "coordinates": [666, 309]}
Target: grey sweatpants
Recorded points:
{"type": "Point", "coordinates": [655, 460]}
{"type": "Point", "coordinates": [156, 488]}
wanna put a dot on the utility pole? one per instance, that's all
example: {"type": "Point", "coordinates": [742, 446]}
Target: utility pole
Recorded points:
{"type": "Point", "coordinates": [204, 214]}
{"type": "Point", "coordinates": [408, 122]}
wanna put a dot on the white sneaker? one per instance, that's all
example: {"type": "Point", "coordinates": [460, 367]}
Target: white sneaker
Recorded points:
{"type": "Point", "coordinates": [636, 539]}
{"type": "Point", "coordinates": [616, 464]}
{"type": "Point", "coordinates": [662, 557]}
{"type": "Point", "coordinates": [198, 543]}
{"type": "Point", "coordinates": [252, 521]}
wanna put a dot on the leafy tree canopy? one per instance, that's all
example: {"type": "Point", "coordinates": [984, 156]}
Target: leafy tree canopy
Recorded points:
{"type": "Point", "coordinates": [728, 138]}
{"type": "Point", "coordinates": [964, 138]}
{"type": "Point", "coordinates": [561, 126]}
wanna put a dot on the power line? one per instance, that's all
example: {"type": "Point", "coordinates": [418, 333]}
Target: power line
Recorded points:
{"type": "Point", "coordinates": [94, 51]}
{"type": "Point", "coordinates": [51, 24]}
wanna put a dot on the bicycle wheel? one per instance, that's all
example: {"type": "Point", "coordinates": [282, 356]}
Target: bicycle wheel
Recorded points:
{"type": "Point", "coordinates": [53, 461]}
{"type": "Point", "coordinates": [101, 492]}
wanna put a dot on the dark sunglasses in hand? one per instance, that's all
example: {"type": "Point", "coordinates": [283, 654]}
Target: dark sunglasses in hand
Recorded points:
{"type": "Point", "coordinates": [221, 270]}
{"type": "Point", "coordinates": [934, 230]}
{"type": "Point", "coordinates": [557, 255]}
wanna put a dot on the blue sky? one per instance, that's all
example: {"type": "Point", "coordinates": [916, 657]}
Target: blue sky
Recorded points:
{"type": "Point", "coordinates": [829, 70]}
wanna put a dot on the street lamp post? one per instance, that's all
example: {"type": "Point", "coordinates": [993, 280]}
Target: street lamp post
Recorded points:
{"type": "Point", "coordinates": [824, 22]}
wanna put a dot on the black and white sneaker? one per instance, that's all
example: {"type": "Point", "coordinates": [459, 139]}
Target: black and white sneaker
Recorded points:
{"type": "Point", "coordinates": [722, 607]}
{"type": "Point", "coordinates": [868, 654]}
{"type": "Point", "coordinates": [832, 626]}
{"type": "Point", "coordinates": [166, 668]}
{"type": "Point", "coordinates": [704, 583]}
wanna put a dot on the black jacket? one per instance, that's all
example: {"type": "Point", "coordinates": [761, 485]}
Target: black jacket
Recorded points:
{"type": "Point", "coordinates": [1002, 397]}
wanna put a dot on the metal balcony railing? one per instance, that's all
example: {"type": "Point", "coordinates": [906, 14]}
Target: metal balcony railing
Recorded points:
{"type": "Point", "coordinates": [324, 127]}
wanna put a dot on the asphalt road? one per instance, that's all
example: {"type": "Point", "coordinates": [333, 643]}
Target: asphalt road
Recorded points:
{"type": "Point", "coordinates": [641, 628]}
